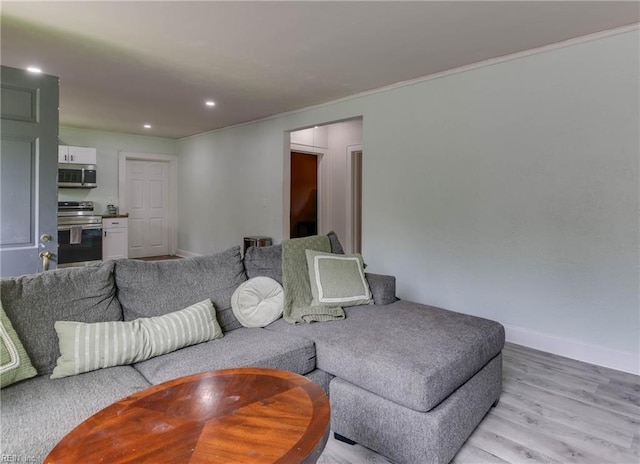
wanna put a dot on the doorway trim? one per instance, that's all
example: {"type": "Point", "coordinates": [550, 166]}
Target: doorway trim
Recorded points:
{"type": "Point", "coordinates": [123, 157]}
{"type": "Point", "coordinates": [351, 219]}
{"type": "Point", "coordinates": [322, 178]}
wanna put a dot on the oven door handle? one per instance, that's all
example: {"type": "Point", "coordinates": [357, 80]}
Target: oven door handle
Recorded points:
{"type": "Point", "coordinates": [84, 227]}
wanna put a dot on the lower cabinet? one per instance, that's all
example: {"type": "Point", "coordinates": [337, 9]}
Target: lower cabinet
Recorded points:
{"type": "Point", "coordinates": [115, 238]}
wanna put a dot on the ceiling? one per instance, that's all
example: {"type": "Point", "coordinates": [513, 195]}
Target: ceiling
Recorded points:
{"type": "Point", "coordinates": [123, 64]}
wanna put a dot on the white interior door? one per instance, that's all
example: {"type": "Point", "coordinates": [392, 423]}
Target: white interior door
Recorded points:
{"type": "Point", "coordinates": [147, 190]}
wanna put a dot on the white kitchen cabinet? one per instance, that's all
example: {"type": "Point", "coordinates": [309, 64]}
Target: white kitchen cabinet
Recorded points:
{"type": "Point", "coordinates": [77, 155]}
{"type": "Point", "coordinates": [63, 154]}
{"type": "Point", "coordinates": [115, 238]}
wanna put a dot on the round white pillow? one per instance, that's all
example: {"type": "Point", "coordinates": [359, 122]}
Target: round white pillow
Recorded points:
{"type": "Point", "coordinates": [258, 302]}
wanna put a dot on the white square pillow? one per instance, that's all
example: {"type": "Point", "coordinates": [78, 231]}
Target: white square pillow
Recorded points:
{"type": "Point", "coordinates": [337, 280]}
{"type": "Point", "coordinates": [258, 302]}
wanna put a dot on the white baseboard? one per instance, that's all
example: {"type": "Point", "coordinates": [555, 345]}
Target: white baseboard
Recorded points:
{"type": "Point", "coordinates": [187, 254]}
{"type": "Point", "coordinates": [626, 361]}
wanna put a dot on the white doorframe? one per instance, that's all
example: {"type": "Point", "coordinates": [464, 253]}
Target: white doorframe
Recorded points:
{"type": "Point", "coordinates": [323, 204]}
{"type": "Point", "coordinates": [123, 157]}
{"type": "Point", "coordinates": [350, 222]}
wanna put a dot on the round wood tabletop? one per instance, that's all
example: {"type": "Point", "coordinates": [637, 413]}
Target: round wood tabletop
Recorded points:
{"type": "Point", "coordinates": [244, 415]}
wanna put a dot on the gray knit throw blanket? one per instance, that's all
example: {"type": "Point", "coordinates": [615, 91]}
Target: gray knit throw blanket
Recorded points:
{"type": "Point", "coordinates": [295, 281]}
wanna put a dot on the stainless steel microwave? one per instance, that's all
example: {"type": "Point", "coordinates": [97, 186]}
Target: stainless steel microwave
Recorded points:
{"type": "Point", "coordinates": [77, 175]}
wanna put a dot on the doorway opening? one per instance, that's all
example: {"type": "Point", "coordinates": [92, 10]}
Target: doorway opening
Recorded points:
{"type": "Point", "coordinates": [337, 151]}
{"type": "Point", "coordinates": [303, 215]}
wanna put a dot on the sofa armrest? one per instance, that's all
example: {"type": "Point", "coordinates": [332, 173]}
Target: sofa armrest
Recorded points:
{"type": "Point", "coordinates": [383, 288]}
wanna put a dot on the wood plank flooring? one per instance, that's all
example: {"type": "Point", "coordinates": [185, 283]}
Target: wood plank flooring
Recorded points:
{"type": "Point", "coordinates": [552, 410]}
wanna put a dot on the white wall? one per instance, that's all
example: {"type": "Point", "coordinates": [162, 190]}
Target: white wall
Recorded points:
{"type": "Point", "coordinates": [341, 135]}
{"type": "Point", "coordinates": [312, 137]}
{"type": "Point", "coordinates": [108, 145]}
{"type": "Point", "coordinates": [508, 191]}
{"type": "Point", "coordinates": [229, 187]}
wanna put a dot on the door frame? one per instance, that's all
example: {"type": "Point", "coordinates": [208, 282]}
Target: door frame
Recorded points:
{"type": "Point", "coordinates": [350, 222]}
{"type": "Point", "coordinates": [123, 157]}
{"type": "Point", "coordinates": [322, 176]}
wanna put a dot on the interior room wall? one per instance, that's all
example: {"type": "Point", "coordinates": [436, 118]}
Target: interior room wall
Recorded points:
{"type": "Point", "coordinates": [508, 191]}
{"type": "Point", "coordinates": [230, 186]}
{"type": "Point", "coordinates": [311, 137]}
{"type": "Point", "coordinates": [341, 136]}
{"type": "Point", "coordinates": [108, 145]}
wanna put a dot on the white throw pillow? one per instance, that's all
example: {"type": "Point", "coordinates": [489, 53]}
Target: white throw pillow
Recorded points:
{"type": "Point", "coordinates": [258, 302]}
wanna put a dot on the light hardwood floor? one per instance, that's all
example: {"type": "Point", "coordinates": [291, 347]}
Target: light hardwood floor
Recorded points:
{"type": "Point", "coordinates": [552, 410]}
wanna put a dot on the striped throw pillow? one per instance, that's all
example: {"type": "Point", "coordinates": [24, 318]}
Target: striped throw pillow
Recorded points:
{"type": "Point", "coordinates": [87, 347]}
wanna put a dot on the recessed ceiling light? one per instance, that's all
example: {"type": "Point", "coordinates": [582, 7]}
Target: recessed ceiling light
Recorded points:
{"type": "Point", "coordinates": [147, 126]}
{"type": "Point", "coordinates": [210, 103]}
{"type": "Point", "coordinates": [33, 69]}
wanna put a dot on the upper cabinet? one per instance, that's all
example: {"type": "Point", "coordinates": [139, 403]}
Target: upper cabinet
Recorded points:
{"type": "Point", "coordinates": [77, 155]}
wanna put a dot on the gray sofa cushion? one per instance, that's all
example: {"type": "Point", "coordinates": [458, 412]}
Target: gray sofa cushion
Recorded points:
{"type": "Point", "coordinates": [320, 377]}
{"type": "Point", "coordinates": [155, 288]}
{"type": "Point", "coordinates": [33, 304]}
{"type": "Point", "coordinates": [383, 288]}
{"type": "Point", "coordinates": [407, 436]}
{"type": "Point", "coordinates": [264, 261]}
{"type": "Point", "coordinates": [411, 354]}
{"type": "Point", "coordinates": [336, 246]}
{"type": "Point", "coordinates": [38, 412]}
{"type": "Point", "coordinates": [238, 348]}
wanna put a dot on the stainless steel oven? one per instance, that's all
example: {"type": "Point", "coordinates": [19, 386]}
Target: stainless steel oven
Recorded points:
{"type": "Point", "coordinates": [79, 234]}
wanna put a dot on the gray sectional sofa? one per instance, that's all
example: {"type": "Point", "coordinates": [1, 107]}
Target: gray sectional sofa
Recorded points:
{"type": "Point", "coordinates": [406, 380]}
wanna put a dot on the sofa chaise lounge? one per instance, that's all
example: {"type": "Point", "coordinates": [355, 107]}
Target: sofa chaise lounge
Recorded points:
{"type": "Point", "coordinates": [406, 380]}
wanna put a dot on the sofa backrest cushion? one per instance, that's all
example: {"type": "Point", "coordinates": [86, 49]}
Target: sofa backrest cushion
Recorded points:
{"type": "Point", "coordinates": [34, 303]}
{"type": "Point", "coordinates": [336, 246]}
{"type": "Point", "coordinates": [155, 288]}
{"type": "Point", "coordinates": [267, 261]}
{"type": "Point", "coordinates": [264, 262]}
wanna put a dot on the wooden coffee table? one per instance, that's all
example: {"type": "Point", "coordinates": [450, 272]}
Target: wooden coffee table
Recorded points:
{"type": "Point", "coordinates": [245, 415]}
